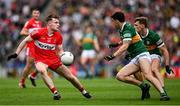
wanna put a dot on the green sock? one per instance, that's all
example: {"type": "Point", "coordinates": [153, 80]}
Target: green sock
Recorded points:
{"type": "Point", "coordinates": [164, 90]}
{"type": "Point", "coordinates": [141, 85]}
{"type": "Point", "coordinates": [162, 94]}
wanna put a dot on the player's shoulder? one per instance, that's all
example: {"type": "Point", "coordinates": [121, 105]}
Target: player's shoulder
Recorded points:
{"type": "Point", "coordinates": [39, 30]}
{"type": "Point", "coordinates": [31, 20]}
{"type": "Point", "coordinates": [43, 29]}
{"type": "Point", "coordinates": [153, 33]}
{"type": "Point", "coordinates": [128, 26]}
{"type": "Point", "coordinates": [57, 33]}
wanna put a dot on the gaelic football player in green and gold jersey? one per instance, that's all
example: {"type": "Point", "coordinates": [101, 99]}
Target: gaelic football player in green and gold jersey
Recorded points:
{"type": "Point", "coordinates": [155, 46]}
{"type": "Point", "coordinates": [90, 48]}
{"type": "Point", "coordinates": [140, 56]}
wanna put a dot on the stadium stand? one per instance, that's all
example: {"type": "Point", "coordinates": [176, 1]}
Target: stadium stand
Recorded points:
{"type": "Point", "coordinates": [164, 18]}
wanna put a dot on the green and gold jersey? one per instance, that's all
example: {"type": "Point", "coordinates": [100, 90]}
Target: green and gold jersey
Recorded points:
{"type": "Point", "coordinates": [136, 47]}
{"type": "Point", "coordinates": [88, 40]}
{"type": "Point", "coordinates": [152, 42]}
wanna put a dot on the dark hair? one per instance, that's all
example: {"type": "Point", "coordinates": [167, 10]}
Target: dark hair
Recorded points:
{"type": "Point", "coordinates": [118, 16]}
{"type": "Point", "coordinates": [35, 9]}
{"type": "Point", "coordinates": [51, 16]}
{"type": "Point", "coordinates": [142, 20]}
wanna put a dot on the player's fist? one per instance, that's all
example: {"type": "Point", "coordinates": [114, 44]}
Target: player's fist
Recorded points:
{"type": "Point", "coordinates": [169, 70]}
{"type": "Point", "coordinates": [113, 45]}
{"type": "Point", "coordinates": [12, 56]}
{"type": "Point", "coordinates": [110, 57]}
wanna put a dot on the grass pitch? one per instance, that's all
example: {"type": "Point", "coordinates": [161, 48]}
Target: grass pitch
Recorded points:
{"type": "Point", "coordinates": [104, 92]}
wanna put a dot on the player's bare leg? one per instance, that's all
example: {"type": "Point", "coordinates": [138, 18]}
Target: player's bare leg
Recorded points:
{"type": "Point", "coordinates": [42, 68]}
{"type": "Point", "coordinates": [139, 76]}
{"type": "Point", "coordinates": [26, 71]}
{"type": "Point", "coordinates": [125, 72]}
{"type": "Point", "coordinates": [125, 75]}
{"type": "Point", "coordinates": [146, 69]}
{"type": "Point", "coordinates": [83, 62]}
{"type": "Point", "coordinates": [65, 72]}
{"type": "Point", "coordinates": [155, 66]}
{"type": "Point", "coordinates": [92, 64]}
{"type": "Point", "coordinates": [32, 77]}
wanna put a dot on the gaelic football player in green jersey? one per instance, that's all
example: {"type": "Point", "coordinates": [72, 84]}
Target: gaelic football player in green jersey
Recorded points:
{"type": "Point", "coordinates": [140, 56]}
{"type": "Point", "coordinates": [155, 46]}
{"type": "Point", "coordinates": [90, 46]}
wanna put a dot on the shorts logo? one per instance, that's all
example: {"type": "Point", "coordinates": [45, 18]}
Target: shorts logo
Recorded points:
{"type": "Point", "coordinates": [45, 46]}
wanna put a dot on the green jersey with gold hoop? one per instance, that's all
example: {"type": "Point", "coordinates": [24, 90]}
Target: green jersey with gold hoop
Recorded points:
{"type": "Point", "coordinates": [152, 42]}
{"type": "Point", "coordinates": [88, 40]}
{"type": "Point", "coordinates": [136, 46]}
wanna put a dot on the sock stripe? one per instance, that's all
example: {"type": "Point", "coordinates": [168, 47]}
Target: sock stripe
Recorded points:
{"type": "Point", "coordinates": [53, 90]}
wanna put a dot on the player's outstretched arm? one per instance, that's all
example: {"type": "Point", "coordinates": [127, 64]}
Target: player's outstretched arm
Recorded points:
{"type": "Point", "coordinates": [22, 44]}
{"type": "Point", "coordinates": [165, 54]}
{"type": "Point", "coordinates": [113, 45]}
{"type": "Point", "coordinates": [121, 49]}
{"type": "Point", "coordinates": [20, 47]}
{"type": "Point", "coordinates": [25, 31]}
{"type": "Point", "coordinates": [166, 59]}
{"type": "Point", "coordinates": [60, 50]}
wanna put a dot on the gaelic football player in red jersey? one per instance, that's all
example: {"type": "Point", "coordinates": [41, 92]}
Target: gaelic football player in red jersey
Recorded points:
{"type": "Point", "coordinates": [48, 47]}
{"type": "Point", "coordinates": [32, 24]}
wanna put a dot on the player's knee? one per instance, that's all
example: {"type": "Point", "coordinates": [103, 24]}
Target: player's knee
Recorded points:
{"type": "Point", "coordinates": [148, 77]}
{"type": "Point", "coordinates": [42, 72]}
{"type": "Point", "coordinates": [155, 70]}
{"type": "Point", "coordinates": [120, 77]}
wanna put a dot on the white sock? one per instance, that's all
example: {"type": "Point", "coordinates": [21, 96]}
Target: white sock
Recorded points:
{"type": "Point", "coordinates": [84, 91]}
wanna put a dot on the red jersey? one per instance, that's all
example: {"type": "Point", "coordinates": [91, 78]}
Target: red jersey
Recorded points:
{"type": "Point", "coordinates": [45, 46]}
{"type": "Point", "coordinates": [31, 25]}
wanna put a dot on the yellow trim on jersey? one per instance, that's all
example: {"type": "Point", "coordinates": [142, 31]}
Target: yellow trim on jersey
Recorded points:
{"type": "Point", "coordinates": [87, 40]}
{"type": "Point", "coordinates": [136, 38]}
{"type": "Point", "coordinates": [151, 47]}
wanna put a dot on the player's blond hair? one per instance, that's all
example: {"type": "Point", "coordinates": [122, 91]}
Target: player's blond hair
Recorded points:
{"type": "Point", "coordinates": [142, 20]}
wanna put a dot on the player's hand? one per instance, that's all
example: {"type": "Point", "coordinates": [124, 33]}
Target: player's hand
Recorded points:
{"type": "Point", "coordinates": [113, 45]}
{"type": "Point", "coordinates": [109, 57]}
{"type": "Point", "coordinates": [12, 56]}
{"type": "Point", "coordinates": [169, 70]}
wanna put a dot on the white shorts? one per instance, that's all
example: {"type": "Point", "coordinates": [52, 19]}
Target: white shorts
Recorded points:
{"type": "Point", "coordinates": [136, 59]}
{"type": "Point", "coordinates": [88, 54]}
{"type": "Point", "coordinates": [155, 56]}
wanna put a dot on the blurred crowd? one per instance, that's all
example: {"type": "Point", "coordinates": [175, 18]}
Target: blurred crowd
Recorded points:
{"type": "Point", "coordinates": [164, 18]}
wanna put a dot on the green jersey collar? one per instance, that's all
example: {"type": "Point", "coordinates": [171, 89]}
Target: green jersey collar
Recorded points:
{"type": "Point", "coordinates": [123, 26]}
{"type": "Point", "coordinates": [147, 32]}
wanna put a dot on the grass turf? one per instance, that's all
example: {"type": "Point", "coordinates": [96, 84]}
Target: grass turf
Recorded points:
{"type": "Point", "coordinates": [104, 92]}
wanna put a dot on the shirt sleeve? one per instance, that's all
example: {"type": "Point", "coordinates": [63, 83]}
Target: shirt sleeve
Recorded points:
{"type": "Point", "coordinates": [127, 35]}
{"type": "Point", "coordinates": [27, 25]}
{"type": "Point", "coordinates": [158, 41]}
{"type": "Point", "coordinates": [60, 39]}
{"type": "Point", "coordinates": [35, 34]}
